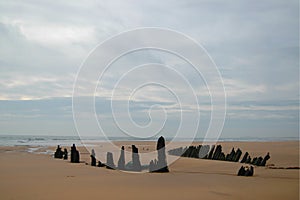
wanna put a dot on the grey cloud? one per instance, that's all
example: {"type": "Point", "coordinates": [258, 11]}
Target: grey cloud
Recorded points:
{"type": "Point", "coordinates": [255, 45]}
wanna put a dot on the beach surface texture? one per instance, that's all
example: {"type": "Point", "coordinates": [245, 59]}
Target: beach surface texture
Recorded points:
{"type": "Point", "coordinates": [35, 175]}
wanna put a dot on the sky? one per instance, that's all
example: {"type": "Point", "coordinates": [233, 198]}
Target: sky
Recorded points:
{"type": "Point", "coordinates": [254, 44]}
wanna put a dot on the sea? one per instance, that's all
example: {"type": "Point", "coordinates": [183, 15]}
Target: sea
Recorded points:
{"type": "Point", "coordinates": [42, 140]}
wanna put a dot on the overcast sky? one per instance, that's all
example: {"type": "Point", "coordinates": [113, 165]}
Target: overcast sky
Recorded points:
{"type": "Point", "coordinates": [255, 45]}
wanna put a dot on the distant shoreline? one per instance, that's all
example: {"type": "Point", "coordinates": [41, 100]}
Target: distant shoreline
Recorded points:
{"type": "Point", "coordinates": [43, 140]}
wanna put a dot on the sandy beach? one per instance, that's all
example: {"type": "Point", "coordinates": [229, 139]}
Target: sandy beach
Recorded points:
{"type": "Point", "coordinates": [26, 175]}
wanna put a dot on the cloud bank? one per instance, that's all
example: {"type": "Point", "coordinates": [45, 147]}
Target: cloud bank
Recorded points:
{"type": "Point", "coordinates": [254, 44]}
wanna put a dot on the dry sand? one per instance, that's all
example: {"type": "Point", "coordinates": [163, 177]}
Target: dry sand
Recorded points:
{"type": "Point", "coordinates": [38, 176]}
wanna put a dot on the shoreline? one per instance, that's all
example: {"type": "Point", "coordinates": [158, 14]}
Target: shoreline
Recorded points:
{"type": "Point", "coordinates": [45, 140]}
